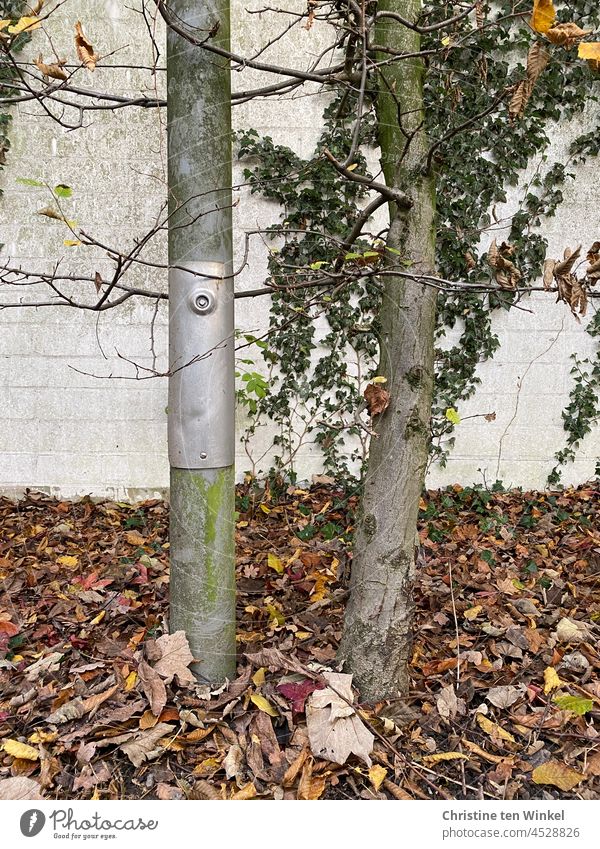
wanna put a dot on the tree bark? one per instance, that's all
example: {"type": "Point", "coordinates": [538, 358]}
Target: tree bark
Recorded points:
{"type": "Point", "coordinates": [377, 637]}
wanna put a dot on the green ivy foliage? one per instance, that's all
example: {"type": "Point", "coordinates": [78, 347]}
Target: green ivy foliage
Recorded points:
{"type": "Point", "coordinates": [474, 171]}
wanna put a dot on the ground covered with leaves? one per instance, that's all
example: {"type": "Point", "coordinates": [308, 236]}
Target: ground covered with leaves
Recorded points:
{"type": "Point", "coordinates": [97, 701]}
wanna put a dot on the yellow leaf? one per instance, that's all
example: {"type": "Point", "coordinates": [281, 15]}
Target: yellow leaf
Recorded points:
{"type": "Point", "coordinates": [247, 792]}
{"type": "Point", "coordinates": [452, 416]}
{"type": "Point", "coordinates": [377, 775]}
{"type": "Point", "coordinates": [259, 676]}
{"type": "Point", "coordinates": [265, 509]}
{"type": "Point", "coordinates": [130, 681]}
{"type": "Point", "coordinates": [71, 243]}
{"type": "Point", "coordinates": [43, 736]}
{"type": "Point", "coordinates": [543, 16]}
{"type": "Point", "coordinates": [98, 618]}
{"type": "Point", "coordinates": [551, 680]}
{"type": "Point", "coordinates": [4, 24]}
{"type": "Point", "coordinates": [493, 729]}
{"type": "Point", "coordinates": [262, 704]}
{"type": "Point", "coordinates": [558, 774]}
{"type": "Point", "coordinates": [590, 50]}
{"type": "Point", "coordinates": [273, 562]}
{"type": "Point", "coordinates": [69, 561]}
{"type": "Point", "coordinates": [473, 612]}
{"type": "Point", "coordinates": [379, 379]}
{"type": "Point", "coordinates": [21, 750]}
{"type": "Point", "coordinates": [445, 756]}
{"type": "Point", "coordinates": [352, 167]}
{"type": "Point", "coordinates": [24, 24]}
{"type": "Point", "coordinates": [302, 635]}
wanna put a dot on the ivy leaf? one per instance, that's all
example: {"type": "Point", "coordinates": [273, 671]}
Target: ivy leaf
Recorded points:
{"type": "Point", "coordinates": [63, 191]}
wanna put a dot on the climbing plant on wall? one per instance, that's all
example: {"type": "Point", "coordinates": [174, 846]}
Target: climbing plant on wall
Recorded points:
{"type": "Point", "coordinates": [491, 144]}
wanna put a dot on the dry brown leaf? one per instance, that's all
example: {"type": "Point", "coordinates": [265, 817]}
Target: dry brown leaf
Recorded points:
{"type": "Point", "coordinates": [248, 791]}
{"type": "Point", "coordinates": [292, 771]}
{"type": "Point", "coordinates": [558, 774]}
{"type": "Point", "coordinates": [503, 697]}
{"type": "Point", "coordinates": [537, 59]}
{"type": "Point", "coordinates": [548, 274]}
{"type": "Point", "coordinates": [85, 51]}
{"type": "Point", "coordinates": [565, 267]}
{"type": "Point", "coordinates": [92, 703]}
{"type": "Point", "coordinates": [55, 70]}
{"type": "Point", "coordinates": [65, 713]}
{"type": "Point", "coordinates": [505, 271]}
{"type": "Point", "coordinates": [334, 729]}
{"type": "Point", "coordinates": [175, 658]}
{"type": "Point", "coordinates": [310, 787]}
{"type": "Point", "coordinates": [566, 35]}
{"type": "Point", "coordinates": [377, 398]}
{"type": "Point", "coordinates": [153, 687]}
{"type": "Point", "coordinates": [19, 787]}
{"type": "Point", "coordinates": [543, 15]}
{"type": "Point", "coordinates": [144, 747]}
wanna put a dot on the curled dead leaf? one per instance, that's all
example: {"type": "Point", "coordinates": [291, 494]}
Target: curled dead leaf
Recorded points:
{"type": "Point", "coordinates": [85, 51]}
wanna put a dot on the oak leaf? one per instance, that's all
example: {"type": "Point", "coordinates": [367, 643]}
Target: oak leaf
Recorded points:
{"type": "Point", "coordinates": [153, 687]}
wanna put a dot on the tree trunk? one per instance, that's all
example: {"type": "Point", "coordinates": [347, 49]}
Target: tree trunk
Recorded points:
{"type": "Point", "coordinates": [377, 635]}
{"type": "Point", "coordinates": [201, 327]}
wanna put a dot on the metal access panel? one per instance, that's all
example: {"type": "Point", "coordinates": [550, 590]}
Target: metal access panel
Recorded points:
{"type": "Point", "coordinates": [201, 367]}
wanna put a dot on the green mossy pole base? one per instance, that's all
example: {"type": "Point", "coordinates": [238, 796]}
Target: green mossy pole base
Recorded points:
{"type": "Point", "coordinates": [203, 568]}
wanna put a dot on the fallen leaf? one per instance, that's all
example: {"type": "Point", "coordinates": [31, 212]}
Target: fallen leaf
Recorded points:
{"type": "Point", "coordinates": [175, 658]}
{"type": "Point", "coordinates": [493, 729]}
{"type": "Point", "coordinates": [576, 704]}
{"type": "Point", "coordinates": [263, 704]}
{"type": "Point", "coordinates": [557, 773]}
{"type": "Point", "coordinates": [144, 746]}
{"type": "Point", "coordinates": [20, 750]}
{"type": "Point", "coordinates": [153, 686]}
{"type": "Point", "coordinates": [334, 729]}
{"type": "Point", "coordinates": [377, 775]}
{"type": "Point", "coordinates": [503, 697]}
{"type": "Point", "coordinates": [551, 680]}
{"type": "Point", "coordinates": [445, 756]}
{"type": "Point", "coordinates": [19, 787]}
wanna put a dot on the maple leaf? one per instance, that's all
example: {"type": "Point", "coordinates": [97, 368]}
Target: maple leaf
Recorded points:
{"type": "Point", "coordinates": [175, 658]}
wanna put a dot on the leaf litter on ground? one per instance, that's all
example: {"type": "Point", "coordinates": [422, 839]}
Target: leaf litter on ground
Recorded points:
{"type": "Point", "coordinates": [97, 700]}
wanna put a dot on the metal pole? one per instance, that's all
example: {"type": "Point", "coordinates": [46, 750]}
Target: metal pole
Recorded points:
{"type": "Point", "coordinates": [201, 352]}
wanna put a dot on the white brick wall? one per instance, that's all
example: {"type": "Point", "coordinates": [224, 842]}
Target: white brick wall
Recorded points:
{"type": "Point", "coordinates": [73, 434]}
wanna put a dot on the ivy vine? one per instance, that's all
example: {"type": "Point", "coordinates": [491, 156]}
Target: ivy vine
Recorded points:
{"type": "Point", "coordinates": [321, 365]}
